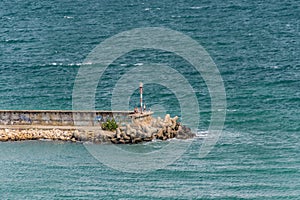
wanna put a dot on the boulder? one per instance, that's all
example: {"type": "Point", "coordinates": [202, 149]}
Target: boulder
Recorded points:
{"type": "Point", "coordinates": [139, 133]}
{"type": "Point", "coordinates": [185, 133]}
{"type": "Point", "coordinates": [174, 119]}
{"type": "Point", "coordinates": [128, 131]}
{"type": "Point", "coordinates": [10, 136]}
{"type": "Point", "coordinates": [118, 135]}
{"type": "Point", "coordinates": [169, 129]}
{"type": "Point", "coordinates": [160, 133]}
{"type": "Point", "coordinates": [4, 138]}
{"type": "Point", "coordinates": [126, 137]}
{"type": "Point", "coordinates": [118, 131]}
{"type": "Point", "coordinates": [132, 136]}
{"type": "Point", "coordinates": [137, 140]}
{"type": "Point", "coordinates": [122, 128]}
{"type": "Point", "coordinates": [76, 134]}
{"type": "Point", "coordinates": [114, 140]}
{"type": "Point", "coordinates": [148, 139]}
{"type": "Point", "coordinates": [122, 141]}
{"type": "Point", "coordinates": [167, 120]}
{"type": "Point", "coordinates": [133, 131]}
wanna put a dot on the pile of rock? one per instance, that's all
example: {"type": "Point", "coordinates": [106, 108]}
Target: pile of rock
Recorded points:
{"type": "Point", "coordinates": [36, 134]}
{"type": "Point", "coordinates": [93, 135]}
{"type": "Point", "coordinates": [150, 129]}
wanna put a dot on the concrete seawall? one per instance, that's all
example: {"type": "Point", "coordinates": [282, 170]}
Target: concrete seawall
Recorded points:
{"type": "Point", "coordinates": [61, 117]}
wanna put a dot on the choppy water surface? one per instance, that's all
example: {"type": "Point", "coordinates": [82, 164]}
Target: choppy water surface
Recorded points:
{"type": "Point", "coordinates": [256, 48]}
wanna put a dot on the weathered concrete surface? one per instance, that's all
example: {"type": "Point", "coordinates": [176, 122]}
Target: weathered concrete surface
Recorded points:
{"type": "Point", "coordinates": [61, 117]}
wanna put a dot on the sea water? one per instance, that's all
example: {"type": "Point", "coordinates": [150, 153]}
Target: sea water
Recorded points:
{"type": "Point", "coordinates": [255, 46]}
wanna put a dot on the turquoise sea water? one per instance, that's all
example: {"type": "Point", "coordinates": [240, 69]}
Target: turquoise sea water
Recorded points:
{"type": "Point", "coordinates": [255, 46]}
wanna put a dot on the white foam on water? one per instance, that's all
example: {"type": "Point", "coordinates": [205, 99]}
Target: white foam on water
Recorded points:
{"type": "Point", "coordinates": [195, 7]}
{"type": "Point", "coordinates": [175, 16]}
{"type": "Point", "coordinates": [231, 110]}
{"type": "Point", "coordinates": [69, 64]}
{"type": "Point", "coordinates": [201, 134]}
{"type": "Point", "coordinates": [275, 67]}
{"type": "Point", "coordinates": [86, 63]}
{"type": "Point", "coordinates": [138, 64]}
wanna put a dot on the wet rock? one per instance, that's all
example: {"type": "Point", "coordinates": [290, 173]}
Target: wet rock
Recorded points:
{"type": "Point", "coordinates": [148, 139]}
{"type": "Point", "coordinates": [160, 133]}
{"type": "Point", "coordinates": [137, 140]}
{"type": "Point", "coordinates": [122, 128]}
{"type": "Point", "coordinates": [185, 133]}
{"type": "Point", "coordinates": [122, 141]}
{"type": "Point", "coordinates": [126, 137]}
{"type": "Point", "coordinates": [118, 135]}
{"type": "Point", "coordinates": [114, 140]}
{"type": "Point", "coordinates": [118, 131]}
{"type": "Point", "coordinates": [133, 131]}
{"type": "Point", "coordinates": [169, 129]}
{"type": "Point", "coordinates": [4, 138]}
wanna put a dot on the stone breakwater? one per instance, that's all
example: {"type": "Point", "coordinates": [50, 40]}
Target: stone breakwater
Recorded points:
{"type": "Point", "coordinates": [144, 130]}
{"type": "Point", "coordinates": [150, 129]}
{"type": "Point", "coordinates": [71, 134]}
{"type": "Point", "coordinates": [19, 134]}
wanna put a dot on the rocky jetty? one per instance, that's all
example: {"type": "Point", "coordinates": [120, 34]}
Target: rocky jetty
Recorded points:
{"type": "Point", "coordinates": [19, 134]}
{"type": "Point", "coordinates": [140, 130]}
{"type": "Point", "coordinates": [150, 129]}
{"type": "Point", "coordinates": [76, 134]}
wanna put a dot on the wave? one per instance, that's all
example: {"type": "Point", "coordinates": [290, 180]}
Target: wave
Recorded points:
{"type": "Point", "coordinates": [67, 64]}
{"type": "Point", "coordinates": [68, 17]}
{"type": "Point", "coordinates": [14, 41]}
{"type": "Point", "coordinates": [138, 64]}
{"type": "Point", "coordinates": [195, 7]}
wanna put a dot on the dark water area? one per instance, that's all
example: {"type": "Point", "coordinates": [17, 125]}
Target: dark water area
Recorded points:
{"type": "Point", "coordinates": [254, 44]}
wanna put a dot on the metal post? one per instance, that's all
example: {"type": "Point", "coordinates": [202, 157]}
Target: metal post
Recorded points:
{"type": "Point", "coordinates": [141, 97]}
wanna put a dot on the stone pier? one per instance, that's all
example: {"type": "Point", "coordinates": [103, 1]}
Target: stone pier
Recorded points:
{"type": "Point", "coordinates": [86, 126]}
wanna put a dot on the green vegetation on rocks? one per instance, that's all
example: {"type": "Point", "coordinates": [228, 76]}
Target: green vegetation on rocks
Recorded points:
{"type": "Point", "coordinates": [109, 125]}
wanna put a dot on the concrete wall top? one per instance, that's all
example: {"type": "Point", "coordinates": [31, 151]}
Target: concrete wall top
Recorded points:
{"type": "Point", "coordinates": [61, 117]}
{"type": "Point", "coordinates": [65, 111]}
